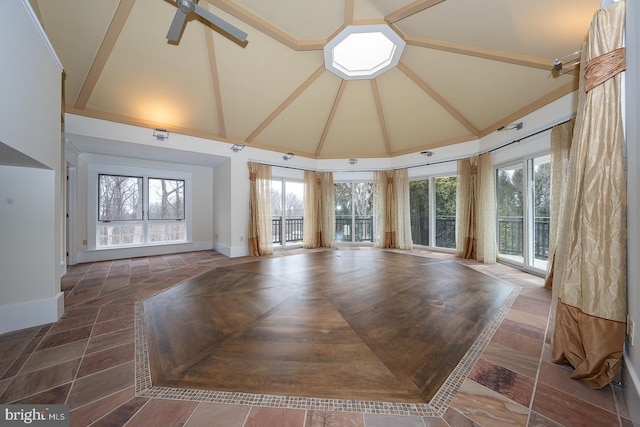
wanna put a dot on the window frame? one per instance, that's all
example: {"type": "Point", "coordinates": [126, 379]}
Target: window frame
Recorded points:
{"type": "Point", "coordinates": [95, 169]}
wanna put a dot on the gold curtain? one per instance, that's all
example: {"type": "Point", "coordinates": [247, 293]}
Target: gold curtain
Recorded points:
{"type": "Point", "coordinates": [260, 235]}
{"type": "Point", "coordinates": [391, 207]}
{"type": "Point", "coordinates": [319, 210]}
{"type": "Point", "coordinates": [590, 269]}
{"type": "Point", "coordinates": [560, 147]}
{"type": "Point", "coordinates": [476, 209]}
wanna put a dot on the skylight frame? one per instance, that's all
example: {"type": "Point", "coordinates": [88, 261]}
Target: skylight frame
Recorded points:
{"type": "Point", "coordinates": [387, 61]}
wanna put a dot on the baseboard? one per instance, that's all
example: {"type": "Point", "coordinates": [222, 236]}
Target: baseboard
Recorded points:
{"type": "Point", "coordinates": [32, 313]}
{"type": "Point", "coordinates": [62, 270]}
{"type": "Point", "coordinates": [223, 249]}
{"type": "Point", "coordinates": [631, 390]}
{"type": "Point", "coordinates": [141, 251]}
{"type": "Point", "coordinates": [238, 251]}
{"type": "Point", "coordinates": [231, 251]}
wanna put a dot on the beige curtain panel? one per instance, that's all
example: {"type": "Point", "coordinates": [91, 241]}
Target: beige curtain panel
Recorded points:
{"type": "Point", "coordinates": [392, 209]}
{"type": "Point", "coordinates": [590, 269]}
{"type": "Point", "coordinates": [319, 210]}
{"type": "Point", "coordinates": [260, 235]}
{"type": "Point", "coordinates": [561, 136]}
{"type": "Point", "coordinates": [476, 209]}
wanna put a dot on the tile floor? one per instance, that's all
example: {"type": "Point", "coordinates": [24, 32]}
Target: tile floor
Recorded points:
{"type": "Point", "coordinates": [87, 361]}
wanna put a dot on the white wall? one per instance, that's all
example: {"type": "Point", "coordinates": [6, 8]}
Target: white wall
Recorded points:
{"type": "Point", "coordinates": [31, 200]}
{"type": "Point", "coordinates": [222, 200]}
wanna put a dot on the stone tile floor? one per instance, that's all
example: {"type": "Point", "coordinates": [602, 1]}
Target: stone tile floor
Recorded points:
{"type": "Point", "coordinates": [87, 361]}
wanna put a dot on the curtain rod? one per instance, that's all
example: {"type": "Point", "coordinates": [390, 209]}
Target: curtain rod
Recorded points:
{"type": "Point", "coordinates": [526, 137]}
{"type": "Point", "coordinates": [494, 148]}
{"type": "Point", "coordinates": [431, 163]}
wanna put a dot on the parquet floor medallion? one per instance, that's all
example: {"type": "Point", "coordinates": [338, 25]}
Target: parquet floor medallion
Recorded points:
{"type": "Point", "coordinates": [319, 328]}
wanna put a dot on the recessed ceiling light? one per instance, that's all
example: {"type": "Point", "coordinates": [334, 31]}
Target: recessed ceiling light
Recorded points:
{"type": "Point", "coordinates": [363, 51]}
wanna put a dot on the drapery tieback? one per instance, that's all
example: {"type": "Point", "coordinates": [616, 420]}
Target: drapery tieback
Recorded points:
{"type": "Point", "coordinates": [603, 67]}
{"type": "Point", "coordinates": [252, 176]}
{"type": "Point", "coordinates": [474, 170]}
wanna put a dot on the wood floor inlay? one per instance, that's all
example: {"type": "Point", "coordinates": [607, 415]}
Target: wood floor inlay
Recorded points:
{"type": "Point", "coordinates": [362, 325]}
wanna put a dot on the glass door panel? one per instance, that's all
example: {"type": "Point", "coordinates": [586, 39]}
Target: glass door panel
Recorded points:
{"type": "Point", "coordinates": [293, 211]}
{"type": "Point", "coordinates": [541, 210]}
{"type": "Point", "coordinates": [419, 205]}
{"type": "Point", "coordinates": [445, 236]}
{"type": "Point", "coordinates": [510, 213]}
{"type": "Point", "coordinates": [343, 200]}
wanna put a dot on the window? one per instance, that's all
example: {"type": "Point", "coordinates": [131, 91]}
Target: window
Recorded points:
{"type": "Point", "coordinates": [354, 211]}
{"type": "Point", "coordinates": [123, 201]}
{"type": "Point", "coordinates": [166, 210]}
{"type": "Point", "coordinates": [433, 211]}
{"type": "Point", "coordinates": [287, 211]}
{"type": "Point", "coordinates": [523, 192]}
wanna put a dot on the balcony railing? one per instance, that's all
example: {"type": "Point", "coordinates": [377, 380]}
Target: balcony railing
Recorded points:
{"type": "Point", "coordinates": [293, 229]}
{"type": "Point", "coordinates": [511, 232]}
{"type": "Point", "coordinates": [360, 230]}
{"type": "Point", "coordinates": [445, 230]}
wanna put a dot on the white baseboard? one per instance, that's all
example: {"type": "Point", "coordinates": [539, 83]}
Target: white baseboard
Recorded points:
{"type": "Point", "coordinates": [223, 249]}
{"type": "Point", "coordinates": [141, 251]}
{"type": "Point", "coordinates": [238, 251]}
{"type": "Point", "coordinates": [231, 251]}
{"type": "Point", "coordinates": [31, 313]}
{"type": "Point", "coordinates": [631, 390]}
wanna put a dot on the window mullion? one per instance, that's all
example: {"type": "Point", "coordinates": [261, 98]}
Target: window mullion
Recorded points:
{"type": "Point", "coordinates": [283, 201]}
{"type": "Point", "coordinates": [353, 211]}
{"type": "Point", "coordinates": [529, 207]}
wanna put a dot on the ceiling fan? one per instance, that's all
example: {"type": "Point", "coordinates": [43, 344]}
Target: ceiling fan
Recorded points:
{"type": "Point", "coordinates": [185, 7]}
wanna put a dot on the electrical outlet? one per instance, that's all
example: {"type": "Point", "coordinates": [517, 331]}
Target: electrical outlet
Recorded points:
{"type": "Point", "coordinates": [241, 238]}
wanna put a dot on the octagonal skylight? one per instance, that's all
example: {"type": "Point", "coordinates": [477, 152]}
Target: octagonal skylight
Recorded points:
{"type": "Point", "coordinates": [363, 51]}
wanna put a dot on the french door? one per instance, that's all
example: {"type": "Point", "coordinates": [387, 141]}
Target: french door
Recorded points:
{"type": "Point", "coordinates": [523, 190]}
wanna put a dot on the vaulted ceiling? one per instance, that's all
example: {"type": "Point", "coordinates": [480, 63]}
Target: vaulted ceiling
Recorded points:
{"type": "Point", "coordinates": [469, 67]}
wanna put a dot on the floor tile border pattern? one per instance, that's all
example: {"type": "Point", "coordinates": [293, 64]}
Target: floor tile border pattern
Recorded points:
{"type": "Point", "coordinates": [435, 408]}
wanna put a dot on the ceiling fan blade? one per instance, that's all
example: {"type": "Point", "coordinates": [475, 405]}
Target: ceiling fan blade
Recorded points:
{"type": "Point", "coordinates": [176, 25]}
{"type": "Point", "coordinates": [222, 24]}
